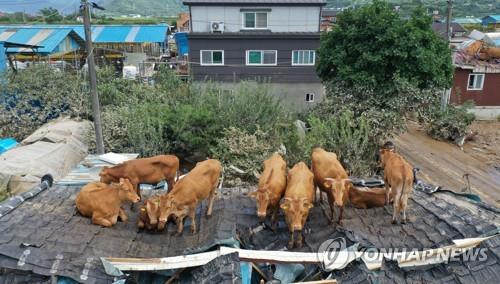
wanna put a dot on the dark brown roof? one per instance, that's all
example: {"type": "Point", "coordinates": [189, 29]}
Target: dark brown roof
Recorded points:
{"type": "Point", "coordinates": [44, 236]}
{"type": "Point", "coordinates": [329, 13]}
{"type": "Point", "coordinates": [440, 28]}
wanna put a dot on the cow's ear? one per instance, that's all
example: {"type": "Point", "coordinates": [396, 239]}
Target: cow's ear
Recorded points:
{"type": "Point", "coordinates": [285, 206]}
{"type": "Point", "coordinates": [327, 183]}
{"type": "Point", "coordinates": [252, 194]}
{"type": "Point", "coordinates": [308, 205]}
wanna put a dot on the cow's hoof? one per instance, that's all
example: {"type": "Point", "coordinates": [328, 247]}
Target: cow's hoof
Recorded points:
{"type": "Point", "coordinates": [193, 231]}
{"type": "Point", "coordinates": [290, 245]}
{"type": "Point", "coordinates": [403, 221]}
{"type": "Point", "coordinates": [394, 222]}
{"type": "Point", "coordinates": [176, 234]}
{"type": "Point", "coordinates": [298, 244]}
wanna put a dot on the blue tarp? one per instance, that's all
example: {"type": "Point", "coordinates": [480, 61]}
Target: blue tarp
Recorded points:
{"type": "Point", "coordinates": [182, 43]}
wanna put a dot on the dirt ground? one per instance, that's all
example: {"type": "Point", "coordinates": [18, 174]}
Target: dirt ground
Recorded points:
{"type": "Point", "coordinates": [445, 164]}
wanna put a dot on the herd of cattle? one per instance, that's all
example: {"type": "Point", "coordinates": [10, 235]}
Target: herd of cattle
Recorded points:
{"type": "Point", "coordinates": [294, 190]}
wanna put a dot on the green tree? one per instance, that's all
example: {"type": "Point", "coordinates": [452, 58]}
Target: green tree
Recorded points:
{"type": "Point", "coordinates": [51, 15]}
{"type": "Point", "coordinates": [374, 48]}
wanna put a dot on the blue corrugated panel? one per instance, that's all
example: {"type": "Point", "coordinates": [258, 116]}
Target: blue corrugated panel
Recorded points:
{"type": "Point", "coordinates": [152, 34]}
{"type": "Point", "coordinates": [51, 43]}
{"type": "Point", "coordinates": [113, 34]}
{"type": "Point", "coordinates": [48, 38]}
{"type": "Point", "coordinates": [3, 59]}
{"type": "Point", "coordinates": [7, 144]}
{"type": "Point", "coordinates": [182, 43]}
{"type": "Point", "coordinates": [23, 35]}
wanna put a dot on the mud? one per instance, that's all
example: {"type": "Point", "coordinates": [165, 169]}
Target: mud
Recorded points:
{"type": "Point", "coordinates": [445, 164]}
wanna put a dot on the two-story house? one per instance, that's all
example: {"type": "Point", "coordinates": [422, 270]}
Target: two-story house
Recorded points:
{"type": "Point", "coordinates": [271, 41]}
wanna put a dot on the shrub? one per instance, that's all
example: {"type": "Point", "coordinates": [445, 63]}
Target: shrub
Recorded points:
{"type": "Point", "coordinates": [450, 124]}
{"type": "Point", "coordinates": [38, 94]}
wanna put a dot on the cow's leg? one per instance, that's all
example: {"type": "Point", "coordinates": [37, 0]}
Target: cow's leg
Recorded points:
{"type": "Point", "coordinates": [122, 215]}
{"type": "Point", "coordinates": [298, 241]}
{"type": "Point", "coordinates": [331, 202]}
{"type": "Point", "coordinates": [180, 225]}
{"type": "Point", "coordinates": [140, 224]}
{"type": "Point", "coordinates": [98, 220]}
{"type": "Point", "coordinates": [404, 204]}
{"type": "Point", "coordinates": [192, 215]}
{"type": "Point", "coordinates": [387, 192]}
{"type": "Point", "coordinates": [211, 198]}
{"type": "Point", "coordinates": [341, 215]}
{"type": "Point", "coordinates": [170, 183]}
{"type": "Point", "coordinates": [291, 241]}
{"type": "Point", "coordinates": [274, 217]}
{"type": "Point", "coordinates": [135, 184]}
{"type": "Point", "coordinates": [396, 207]}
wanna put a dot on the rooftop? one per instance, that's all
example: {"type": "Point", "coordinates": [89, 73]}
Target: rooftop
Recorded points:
{"type": "Point", "coordinates": [440, 28]}
{"type": "Point", "coordinates": [45, 236]}
{"type": "Point", "coordinates": [48, 38]}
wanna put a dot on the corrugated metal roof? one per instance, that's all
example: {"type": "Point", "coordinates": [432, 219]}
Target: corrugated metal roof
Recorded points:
{"type": "Point", "coordinates": [125, 33]}
{"type": "Point", "coordinates": [47, 38]}
{"type": "Point", "coordinates": [467, 21]}
{"type": "Point", "coordinates": [259, 2]}
{"type": "Point", "coordinates": [494, 17]}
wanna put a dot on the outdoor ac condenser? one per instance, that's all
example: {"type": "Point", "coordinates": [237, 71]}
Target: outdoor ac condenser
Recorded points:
{"type": "Point", "coordinates": [217, 27]}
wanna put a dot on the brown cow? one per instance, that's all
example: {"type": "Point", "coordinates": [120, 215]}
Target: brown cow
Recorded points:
{"type": "Point", "coordinates": [102, 202]}
{"type": "Point", "coordinates": [199, 184]}
{"type": "Point", "coordinates": [146, 170]}
{"type": "Point", "coordinates": [398, 177]}
{"type": "Point", "coordinates": [272, 185]}
{"type": "Point", "coordinates": [365, 198]}
{"type": "Point", "coordinates": [331, 177]}
{"type": "Point", "coordinates": [298, 200]}
{"type": "Point", "coordinates": [149, 214]}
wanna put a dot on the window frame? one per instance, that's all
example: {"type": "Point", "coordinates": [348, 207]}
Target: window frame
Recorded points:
{"type": "Point", "coordinates": [475, 75]}
{"type": "Point", "coordinates": [243, 22]}
{"type": "Point", "coordinates": [304, 64]}
{"type": "Point", "coordinates": [247, 57]}
{"type": "Point", "coordinates": [211, 57]}
{"type": "Point", "coordinates": [311, 97]}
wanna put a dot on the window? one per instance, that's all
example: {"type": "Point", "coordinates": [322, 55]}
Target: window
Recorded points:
{"type": "Point", "coordinates": [476, 82]}
{"type": "Point", "coordinates": [310, 97]}
{"type": "Point", "coordinates": [261, 57]}
{"type": "Point", "coordinates": [212, 57]}
{"type": "Point", "coordinates": [255, 20]}
{"type": "Point", "coordinates": [303, 57]}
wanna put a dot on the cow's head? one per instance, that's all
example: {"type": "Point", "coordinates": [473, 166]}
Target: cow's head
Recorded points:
{"type": "Point", "coordinates": [127, 191]}
{"type": "Point", "coordinates": [296, 211]}
{"type": "Point", "coordinates": [339, 187]}
{"type": "Point", "coordinates": [262, 197]}
{"type": "Point", "coordinates": [105, 175]}
{"type": "Point", "coordinates": [153, 210]}
{"type": "Point", "coordinates": [384, 156]}
{"type": "Point", "coordinates": [167, 206]}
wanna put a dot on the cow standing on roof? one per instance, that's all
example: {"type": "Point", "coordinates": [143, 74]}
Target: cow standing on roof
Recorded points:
{"type": "Point", "coordinates": [272, 185]}
{"type": "Point", "coordinates": [298, 201]}
{"type": "Point", "coordinates": [147, 170]}
{"type": "Point", "coordinates": [398, 178]}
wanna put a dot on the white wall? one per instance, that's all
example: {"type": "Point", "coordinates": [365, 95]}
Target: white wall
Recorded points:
{"type": "Point", "coordinates": [279, 19]}
{"type": "Point", "coordinates": [486, 112]}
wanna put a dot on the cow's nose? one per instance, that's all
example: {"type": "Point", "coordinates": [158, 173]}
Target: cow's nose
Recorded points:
{"type": "Point", "coordinates": [153, 222]}
{"type": "Point", "coordinates": [261, 215]}
{"type": "Point", "coordinates": [137, 199]}
{"type": "Point", "coordinates": [297, 227]}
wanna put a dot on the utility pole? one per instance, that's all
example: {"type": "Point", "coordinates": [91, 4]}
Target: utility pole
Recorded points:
{"type": "Point", "coordinates": [96, 112]}
{"type": "Point", "coordinates": [445, 97]}
{"type": "Point", "coordinates": [448, 20]}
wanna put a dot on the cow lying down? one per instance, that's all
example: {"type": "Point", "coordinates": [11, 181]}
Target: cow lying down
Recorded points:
{"type": "Point", "coordinates": [366, 197]}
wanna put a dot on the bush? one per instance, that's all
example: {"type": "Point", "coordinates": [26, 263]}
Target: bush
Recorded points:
{"type": "Point", "coordinates": [451, 124]}
{"type": "Point", "coordinates": [38, 94]}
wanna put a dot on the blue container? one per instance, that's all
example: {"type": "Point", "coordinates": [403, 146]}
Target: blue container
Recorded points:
{"type": "Point", "coordinates": [181, 40]}
{"type": "Point", "coordinates": [6, 144]}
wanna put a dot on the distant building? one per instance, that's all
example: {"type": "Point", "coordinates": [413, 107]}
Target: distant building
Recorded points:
{"type": "Point", "coordinates": [328, 19]}
{"type": "Point", "coordinates": [53, 42]}
{"type": "Point", "coordinates": [493, 20]}
{"type": "Point", "coordinates": [183, 23]}
{"type": "Point", "coordinates": [467, 21]}
{"type": "Point", "coordinates": [271, 41]}
{"type": "Point", "coordinates": [458, 33]}
{"type": "Point", "coordinates": [477, 80]}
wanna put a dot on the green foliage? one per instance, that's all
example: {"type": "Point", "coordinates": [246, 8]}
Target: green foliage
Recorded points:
{"type": "Point", "coordinates": [36, 95]}
{"type": "Point", "coordinates": [246, 151]}
{"type": "Point", "coordinates": [450, 124]}
{"type": "Point", "coordinates": [51, 15]}
{"type": "Point", "coordinates": [373, 47]}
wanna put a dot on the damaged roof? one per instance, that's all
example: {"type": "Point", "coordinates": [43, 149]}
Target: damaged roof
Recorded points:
{"type": "Point", "coordinates": [45, 236]}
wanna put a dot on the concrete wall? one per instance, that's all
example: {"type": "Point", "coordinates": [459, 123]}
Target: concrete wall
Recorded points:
{"type": "Point", "coordinates": [486, 113]}
{"type": "Point", "coordinates": [279, 19]}
{"type": "Point", "coordinates": [291, 95]}
{"type": "Point", "coordinates": [488, 96]}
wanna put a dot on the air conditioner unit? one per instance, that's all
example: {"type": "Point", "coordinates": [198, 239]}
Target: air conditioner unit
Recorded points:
{"type": "Point", "coordinates": [217, 27]}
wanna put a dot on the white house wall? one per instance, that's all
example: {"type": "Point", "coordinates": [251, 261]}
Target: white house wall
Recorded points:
{"type": "Point", "coordinates": [279, 19]}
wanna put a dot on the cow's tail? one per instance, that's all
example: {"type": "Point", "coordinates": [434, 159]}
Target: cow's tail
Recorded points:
{"type": "Point", "coordinates": [221, 178]}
